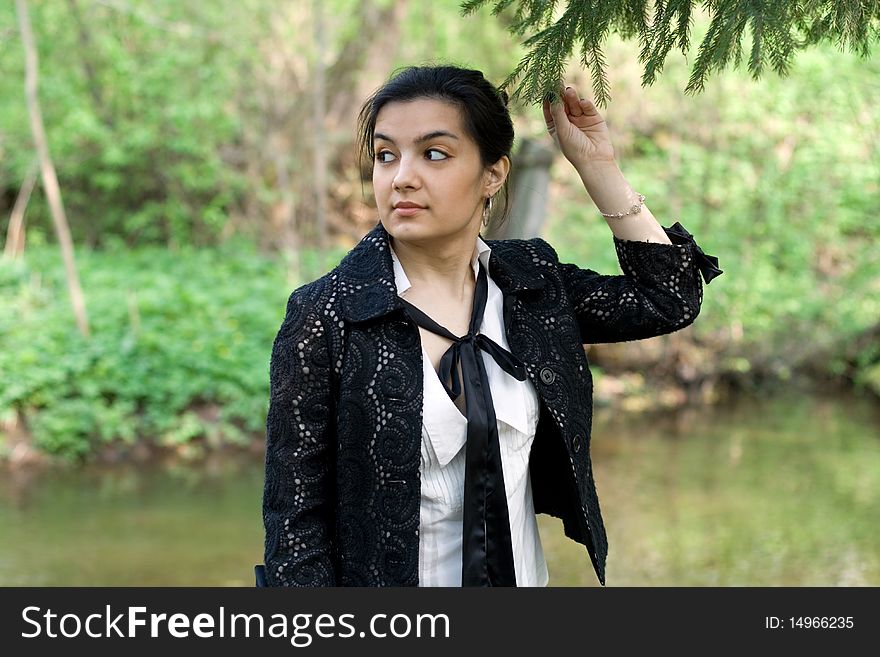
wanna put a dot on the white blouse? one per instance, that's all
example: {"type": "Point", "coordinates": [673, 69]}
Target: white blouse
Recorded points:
{"type": "Point", "coordinates": [444, 434]}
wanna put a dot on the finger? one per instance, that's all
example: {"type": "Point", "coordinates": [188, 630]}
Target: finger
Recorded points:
{"type": "Point", "coordinates": [572, 105]}
{"type": "Point", "coordinates": [560, 115]}
{"type": "Point", "coordinates": [548, 116]}
{"type": "Point", "coordinates": [587, 106]}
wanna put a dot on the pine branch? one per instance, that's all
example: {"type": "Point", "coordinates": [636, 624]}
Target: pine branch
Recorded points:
{"type": "Point", "coordinates": [541, 69]}
{"type": "Point", "coordinates": [778, 30]}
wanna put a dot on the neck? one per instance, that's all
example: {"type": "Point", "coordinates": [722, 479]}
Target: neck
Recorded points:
{"type": "Point", "coordinates": [444, 267]}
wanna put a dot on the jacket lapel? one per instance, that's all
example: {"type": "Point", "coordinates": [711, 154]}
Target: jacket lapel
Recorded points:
{"type": "Point", "coordinates": [366, 277]}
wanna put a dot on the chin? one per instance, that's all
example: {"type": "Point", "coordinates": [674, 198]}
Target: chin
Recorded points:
{"type": "Point", "coordinates": [418, 229]}
{"type": "Point", "coordinates": [406, 228]}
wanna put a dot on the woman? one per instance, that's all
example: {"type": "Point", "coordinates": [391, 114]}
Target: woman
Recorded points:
{"type": "Point", "coordinates": [431, 394]}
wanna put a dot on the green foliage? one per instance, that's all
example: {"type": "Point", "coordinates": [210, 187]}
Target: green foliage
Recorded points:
{"type": "Point", "coordinates": [132, 160]}
{"type": "Point", "coordinates": [167, 121]}
{"type": "Point", "coordinates": [179, 350]}
{"type": "Point", "coordinates": [777, 30]}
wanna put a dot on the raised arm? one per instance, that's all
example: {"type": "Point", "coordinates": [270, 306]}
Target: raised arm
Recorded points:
{"type": "Point", "coordinates": [660, 289]}
{"type": "Point", "coordinates": [298, 498]}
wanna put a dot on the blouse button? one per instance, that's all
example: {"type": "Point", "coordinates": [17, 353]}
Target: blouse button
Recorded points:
{"type": "Point", "coordinates": [547, 375]}
{"type": "Point", "coordinates": [576, 444]}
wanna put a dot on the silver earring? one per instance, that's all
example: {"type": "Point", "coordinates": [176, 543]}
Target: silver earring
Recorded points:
{"type": "Point", "coordinates": [487, 211]}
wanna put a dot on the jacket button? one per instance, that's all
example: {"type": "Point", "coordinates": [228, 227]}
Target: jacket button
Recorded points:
{"type": "Point", "coordinates": [576, 443]}
{"type": "Point", "coordinates": [547, 375]}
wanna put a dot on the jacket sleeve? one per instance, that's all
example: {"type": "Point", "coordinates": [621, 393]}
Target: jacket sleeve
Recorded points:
{"type": "Point", "coordinates": [659, 292]}
{"type": "Point", "coordinates": [298, 492]}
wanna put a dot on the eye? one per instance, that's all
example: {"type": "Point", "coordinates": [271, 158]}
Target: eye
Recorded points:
{"type": "Point", "coordinates": [380, 155]}
{"type": "Point", "coordinates": [442, 155]}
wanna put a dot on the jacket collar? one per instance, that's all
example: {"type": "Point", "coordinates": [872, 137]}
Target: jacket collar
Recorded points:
{"type": "Point", "coordinates": [366, 275]}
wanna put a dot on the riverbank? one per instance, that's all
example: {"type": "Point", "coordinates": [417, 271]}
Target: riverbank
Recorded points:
{"type": "Point", "coordinates": [626, 395]}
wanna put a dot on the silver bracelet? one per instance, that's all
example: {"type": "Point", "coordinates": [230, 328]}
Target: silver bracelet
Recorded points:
{"type": "Point", "coordinates": [633, 210]}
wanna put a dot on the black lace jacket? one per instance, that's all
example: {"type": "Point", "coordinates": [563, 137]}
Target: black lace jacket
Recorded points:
{"type": "Point", "coordinates": [342, 487]}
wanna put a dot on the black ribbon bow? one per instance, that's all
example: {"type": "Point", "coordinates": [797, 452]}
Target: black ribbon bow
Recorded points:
{"type": "Point", "coordinates": [707, 264]}
{"type": "Point", "coordinates": [487, 552]}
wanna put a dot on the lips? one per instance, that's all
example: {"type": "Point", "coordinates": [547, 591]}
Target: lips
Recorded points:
{"type": "Point", "coordinates": [407, 208]}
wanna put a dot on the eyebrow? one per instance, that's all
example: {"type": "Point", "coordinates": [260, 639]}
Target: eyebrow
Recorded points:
{"type": "Point", "coordinates": [419, 140]}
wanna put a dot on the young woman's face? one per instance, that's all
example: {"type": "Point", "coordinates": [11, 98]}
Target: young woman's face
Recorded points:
{"type": "Point", "coordinates": [425, 158]}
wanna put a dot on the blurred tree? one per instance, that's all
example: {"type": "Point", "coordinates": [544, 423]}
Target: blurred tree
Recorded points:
{"type": "Point", "coordinates": [15, 233]}
{"type": "Point", "coordinates": [47, 169]}
{"type": "Point", "coordinates": [778, 29]}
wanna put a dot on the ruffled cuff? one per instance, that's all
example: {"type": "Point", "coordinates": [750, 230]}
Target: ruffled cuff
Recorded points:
{"type": "Point", "coordinates": [640, 258]}
{"type": "Point", "coordinates": [707, 264]}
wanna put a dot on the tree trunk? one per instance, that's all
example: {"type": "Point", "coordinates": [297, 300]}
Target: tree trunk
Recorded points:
{"type": "Point", "coordinates": [47, 169]}
{"type": "Point", "coordinates": [529, 188]}
{"type": "Point", "coordinates": [15, 231]}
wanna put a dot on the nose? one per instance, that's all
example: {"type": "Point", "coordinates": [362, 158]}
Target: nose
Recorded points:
{"type": "Point", "coordinates": [406, 176]}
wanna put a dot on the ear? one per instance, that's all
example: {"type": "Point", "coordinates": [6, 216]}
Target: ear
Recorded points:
{"type": "Point", "coordinates": [496, 174]}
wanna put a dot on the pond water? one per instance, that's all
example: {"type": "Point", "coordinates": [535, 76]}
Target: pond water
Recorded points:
{"type": "Point", "coordinates": [760, 492]}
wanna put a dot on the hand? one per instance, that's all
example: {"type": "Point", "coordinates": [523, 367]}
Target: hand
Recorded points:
{"type": "Point", "coordinates": [578, 129]}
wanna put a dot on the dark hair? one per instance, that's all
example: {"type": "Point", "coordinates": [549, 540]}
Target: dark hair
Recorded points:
{"type": "Point", "coordinates": [483, 108]}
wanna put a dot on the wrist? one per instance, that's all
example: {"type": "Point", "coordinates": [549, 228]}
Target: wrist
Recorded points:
{"type": "Point", "coordinates": [594, 172]}
{"type": "Point", "coordinates": [608, 188]}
